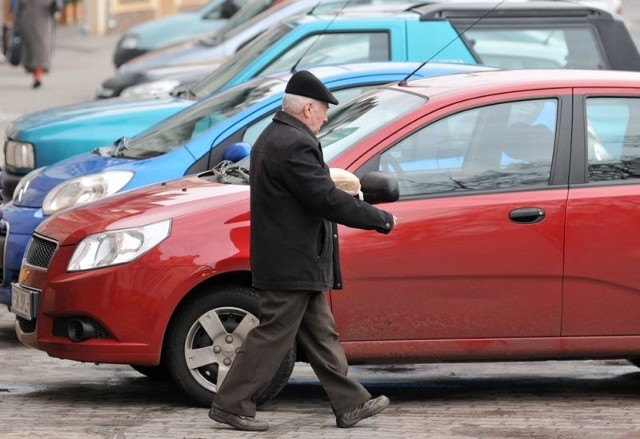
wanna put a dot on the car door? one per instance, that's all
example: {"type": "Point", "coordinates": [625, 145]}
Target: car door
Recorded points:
{"type": "Point", "coordinates": [602, 286]}
{"type": "Point", "coordinates": [478, 249]}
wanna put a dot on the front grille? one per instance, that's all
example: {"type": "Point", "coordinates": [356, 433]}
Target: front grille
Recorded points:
{"type": "Point", "coordinates": [40, 251]}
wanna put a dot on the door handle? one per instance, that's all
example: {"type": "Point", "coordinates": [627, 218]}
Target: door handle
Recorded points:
{"type": "Point", "coordinates": [527, 215]}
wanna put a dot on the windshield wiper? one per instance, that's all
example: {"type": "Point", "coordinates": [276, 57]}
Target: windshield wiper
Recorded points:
{"type": "Point", "coordinates": [230, 173]}
{"type": "Point", "coordinates": [121, 145]}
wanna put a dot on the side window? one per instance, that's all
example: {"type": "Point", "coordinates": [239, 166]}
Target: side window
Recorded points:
{"type": "Point", "coordinates": [613, 139]}
{"type": "Point", "coordinates": [500, 146]}
{"type": "Point", "coordinates": [333, 48]}
{"type": "Point", "coordinates": [536, 47]}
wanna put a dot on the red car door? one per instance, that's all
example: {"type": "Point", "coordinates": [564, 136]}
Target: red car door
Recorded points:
{"type": "Point", "coordinates": [478, 250]}
{"type": "Point", "coordinates": [602, 285]}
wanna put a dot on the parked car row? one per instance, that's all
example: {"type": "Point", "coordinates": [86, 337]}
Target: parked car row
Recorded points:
{"type": "Point", "coordinates": [518, 37]}
{"type": "Point", "coordinates": [500, 178]}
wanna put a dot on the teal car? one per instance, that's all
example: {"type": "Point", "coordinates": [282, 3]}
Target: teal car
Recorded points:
{"type": "Point", "coordinates": [162, 32]}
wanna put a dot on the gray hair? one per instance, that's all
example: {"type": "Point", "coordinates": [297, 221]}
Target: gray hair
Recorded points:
{"type": "Point", "coordinates": [295, 103]}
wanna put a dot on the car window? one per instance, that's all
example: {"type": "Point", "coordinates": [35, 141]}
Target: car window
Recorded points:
{"type": "Point", "coordinates": [333, 48]}
{"type": "Point", "coordinates": [195, 120]}
{"type": "Point", "coordinates": [492, 147]}
{"type": "Point", "coordinates": [363, 116]}
{"type": "Point", "coordinates": [253, 130]}
{"type": "Point", "coordinates": [536, 47]}
{"type": "Point", "coordinates": [245, 56]}
{"type": "Point", "coordinates": [613, 139]}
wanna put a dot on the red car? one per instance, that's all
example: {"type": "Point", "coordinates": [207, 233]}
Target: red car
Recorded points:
{"type": "Point", "coordinates": [518, 199]}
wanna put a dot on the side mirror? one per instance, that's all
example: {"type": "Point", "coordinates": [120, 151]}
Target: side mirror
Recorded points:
{"type": "Point", "coordinates": [379, 187]}
{"type": "Point", "coordinates": [236, 151]}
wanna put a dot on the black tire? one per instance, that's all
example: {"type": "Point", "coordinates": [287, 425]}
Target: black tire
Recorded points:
{"type": "Point", "coordinates": [224, 308]}
{"type": "Point", "coordinates": [157, 373]}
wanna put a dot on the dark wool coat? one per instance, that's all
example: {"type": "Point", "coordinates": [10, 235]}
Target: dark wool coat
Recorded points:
{"type": "Point", "coordinates": [294, 205]}
{"type": "Point", "coordinates": [34, 21]}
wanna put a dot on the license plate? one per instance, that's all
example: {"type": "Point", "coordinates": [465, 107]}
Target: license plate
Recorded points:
{"type": "Point", "coordinates": [24, 302]}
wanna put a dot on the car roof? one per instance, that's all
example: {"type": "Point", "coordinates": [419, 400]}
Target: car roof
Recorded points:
{"type": "Point", "coordinates": [439, 10]}
{"type": "Point", "coordinates": [496, 81]}
{"type": "Point", "coordinates": [476, 9]}
{"type": "Point", "coordinates": [386, 67]}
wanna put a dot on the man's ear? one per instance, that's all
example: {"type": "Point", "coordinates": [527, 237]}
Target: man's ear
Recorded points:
{"type": "Point", "coordinates": [307, 109]}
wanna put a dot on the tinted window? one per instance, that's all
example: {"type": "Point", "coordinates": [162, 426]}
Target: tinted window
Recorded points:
{"type": "Point", "coordinates": [613, 138]}
{"type": "Point", "coordinates": [493, 147]}
{"type": "Point", "coordinates": [359, 118]}
{"type": "Point", "coordinates": [195, 120]}
{"type": "Point", "coordinates": [535, 47]}
{"type": "Point", "coordinates": [245, 56]}
{"type": "Point", "coordinates": [253, 131]}
{"type": "Point", "coordinates": [333, 48]}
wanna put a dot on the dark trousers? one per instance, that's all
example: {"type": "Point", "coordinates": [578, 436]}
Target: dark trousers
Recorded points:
{"type": "Point", "coordinates": [287, 316]}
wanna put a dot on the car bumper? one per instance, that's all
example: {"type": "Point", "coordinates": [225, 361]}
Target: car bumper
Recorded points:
{"type": "Point", "coordinates": [127, 312]}
{"type": "Point", "coordinates": [18, 226]}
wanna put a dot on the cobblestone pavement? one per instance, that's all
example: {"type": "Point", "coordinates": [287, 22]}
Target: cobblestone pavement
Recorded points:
{"type": "Point", "coordinates": [42, 397]}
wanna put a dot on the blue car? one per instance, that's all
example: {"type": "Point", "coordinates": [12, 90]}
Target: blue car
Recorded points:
{"type": "Point", "coordinates": [221, 127]}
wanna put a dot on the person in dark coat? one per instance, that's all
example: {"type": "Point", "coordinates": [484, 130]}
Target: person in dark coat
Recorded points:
{"type": "Point", "coordinates": [294, 207]}
{"type": "Point", "coordinates": [34, 21]}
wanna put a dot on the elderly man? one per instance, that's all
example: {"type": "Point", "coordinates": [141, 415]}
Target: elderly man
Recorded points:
{"type": "Point", "coordinates": [294, 243]}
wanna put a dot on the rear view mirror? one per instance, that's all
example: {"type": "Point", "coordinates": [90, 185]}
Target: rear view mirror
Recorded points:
{"type": "Point", "coordinates": [379, 187]}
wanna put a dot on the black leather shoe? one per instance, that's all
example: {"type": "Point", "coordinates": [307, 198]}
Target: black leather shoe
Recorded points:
{"type": "Point", "coordinates": [364, 410]}
{"type": "Point", "coordinates": [238, 422]}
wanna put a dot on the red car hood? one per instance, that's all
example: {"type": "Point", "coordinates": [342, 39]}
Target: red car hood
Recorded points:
{"type": "Point", "coordinates": [173, 199]}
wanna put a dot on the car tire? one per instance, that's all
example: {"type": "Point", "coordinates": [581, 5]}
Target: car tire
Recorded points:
{"type": "Point", "coordinates": [227, 309]}
{"type": "Point", "coordinates": [158, 373]}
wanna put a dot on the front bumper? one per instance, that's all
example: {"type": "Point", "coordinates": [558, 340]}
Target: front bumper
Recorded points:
{"type": "Point", "coordinates": [127, 307]}
{"type": "Point", "coordinates": [18, 225]}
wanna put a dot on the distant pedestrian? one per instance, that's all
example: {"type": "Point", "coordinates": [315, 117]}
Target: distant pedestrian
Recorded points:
{"type": "Point", "coordinates": [34, 24]}
{"type": "Point", "coordinates": [294, 207]}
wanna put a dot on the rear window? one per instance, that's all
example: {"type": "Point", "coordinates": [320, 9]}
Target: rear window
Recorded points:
{"type": "Point", "coordinates": [569, 47]}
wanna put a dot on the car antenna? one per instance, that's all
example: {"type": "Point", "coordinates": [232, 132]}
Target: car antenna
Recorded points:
{"type": "Point", "coordinates": [406, 78]}
{"type": "Point", "coordinates": [293, 68]}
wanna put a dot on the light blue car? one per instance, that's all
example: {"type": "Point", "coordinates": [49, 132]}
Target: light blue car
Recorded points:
{"type": "Point", "coordinates": [220, 127]}
{"type": "Point", "coordinates": [154, 34]}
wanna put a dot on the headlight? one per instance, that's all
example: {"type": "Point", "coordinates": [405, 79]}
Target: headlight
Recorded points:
{"type": "Point", "coordinates": [150, 89]}
{"type": "Point", "coordinates": [84, 189]}
{"type": "Point", "coordinates": [19, 155]}
{"type": "Point", "coordinates": [23, 185]}
{"type": "Point", "coordinates": [130, 41]}
{"type": "Point", "coordinates": [117, 247]}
